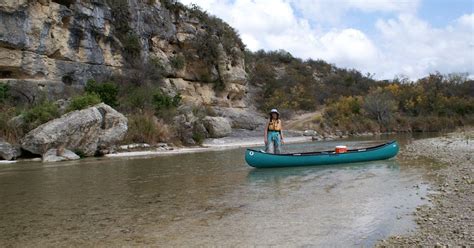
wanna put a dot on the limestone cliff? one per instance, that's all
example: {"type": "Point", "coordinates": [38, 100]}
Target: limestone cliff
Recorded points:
{"type": "Point", "coordinates": [52, 47]}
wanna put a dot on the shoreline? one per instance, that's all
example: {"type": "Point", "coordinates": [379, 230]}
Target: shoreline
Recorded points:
{"type": "Point", "coordinates": [449, 219]}
{"type": "Point", "coordinates": [209, 146]}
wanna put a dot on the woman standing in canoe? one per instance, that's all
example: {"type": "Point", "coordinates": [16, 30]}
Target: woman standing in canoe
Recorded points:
{"type": "Point", "coordinates": [273, 133]}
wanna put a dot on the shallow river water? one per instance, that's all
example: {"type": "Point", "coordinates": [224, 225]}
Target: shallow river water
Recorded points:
{"type": "Point", "coordinates": [207, 199]}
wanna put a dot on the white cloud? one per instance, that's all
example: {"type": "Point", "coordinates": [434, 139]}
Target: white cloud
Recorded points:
{"type": "Point", "coordinates": [467, 21]}
{"type": "Point", "coordinates": [413, 47]}
{"type": "Point", "coordinates": [349, 48]}
{"type": "Point", "coordinates": [401, 45]}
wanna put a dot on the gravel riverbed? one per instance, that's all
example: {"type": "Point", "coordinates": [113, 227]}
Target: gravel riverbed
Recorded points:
{"type": "Point", "coordinates": [449, 220]}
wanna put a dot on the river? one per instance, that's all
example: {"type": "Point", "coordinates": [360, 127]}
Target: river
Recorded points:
{"type": "Point", "coordinates": [207, 199]}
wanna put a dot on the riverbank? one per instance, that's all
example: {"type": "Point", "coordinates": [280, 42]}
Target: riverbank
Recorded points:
{"type": "Point", "coordinates": [449, 219]}
{"type": "Point", "coordinates": [208, 145]}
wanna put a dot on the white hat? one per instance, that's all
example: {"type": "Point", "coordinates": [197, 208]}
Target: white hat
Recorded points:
{"type": "Point", "coordinates": [274, 111]}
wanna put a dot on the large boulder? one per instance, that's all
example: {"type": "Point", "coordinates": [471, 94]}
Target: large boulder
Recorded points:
{"type": "Point", "coordinates": [7, 151]}
{"type": "Point", "coordinates": [56, 155]}
{"type": "Point", "coordinates": [242, 118]}
{"type": "Point", "coordinates": [83, 131]}
{"type": "Point", "coordinates": [217, 127]}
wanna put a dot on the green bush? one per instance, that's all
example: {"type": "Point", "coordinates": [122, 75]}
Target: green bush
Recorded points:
{"type": "Point", "coordinates": [178, 62]}
{"type": "Point", "coordinates": [83, 101]}
{"type": "Point", "coordinates": [4, 93]}
{"type": "Point", "coordinates": [162, 101]}
{"type": "Point", "coordinates": [107, 91]}
{"type": "Point", "coordinates": [198, 137]}
{"type": "Point", "coordinates": [139, 98]}
{"type": "Point", "coordinates": [40, 114]}
{"type": "Point", "coordinates": [131, 45]}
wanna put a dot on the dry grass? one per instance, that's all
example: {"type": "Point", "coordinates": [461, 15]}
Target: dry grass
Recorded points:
{"type": "Point", "coordinates": [305, 121]}
{"type": "Point", "coordinates": [8, 132]}
{"type": "Point", "coordinates": [146, 128]}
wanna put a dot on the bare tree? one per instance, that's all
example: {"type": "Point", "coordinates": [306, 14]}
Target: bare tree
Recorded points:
{"type": "Point", "coordinates": [380, 105]}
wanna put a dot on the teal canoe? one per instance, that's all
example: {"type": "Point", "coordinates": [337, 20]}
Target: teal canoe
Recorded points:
{"type": "Point", "coordinates": [260, 159]}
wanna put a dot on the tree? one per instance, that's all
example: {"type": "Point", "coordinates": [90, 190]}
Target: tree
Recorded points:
{"type": "Point", "coordinates": [380, 105]}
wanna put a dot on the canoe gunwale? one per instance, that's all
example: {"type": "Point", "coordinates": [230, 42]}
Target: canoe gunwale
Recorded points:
{"type": "Point", "coordinates": [360, 150]}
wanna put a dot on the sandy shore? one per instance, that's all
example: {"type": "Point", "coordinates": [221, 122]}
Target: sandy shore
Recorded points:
{"type": "Point", "coordinates": [208, 145]}
{"type": "Point", "coordinates": [449, 220]}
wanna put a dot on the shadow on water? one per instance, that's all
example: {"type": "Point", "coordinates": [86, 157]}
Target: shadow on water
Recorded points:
{"type": "Point", "coordinates": [272, 174]}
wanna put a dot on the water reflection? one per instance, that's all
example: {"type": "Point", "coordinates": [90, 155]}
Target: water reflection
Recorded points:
{"type": "Point", "coordinates": [272, 174]}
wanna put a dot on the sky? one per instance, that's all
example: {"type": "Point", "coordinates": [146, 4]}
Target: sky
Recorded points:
{"type": "Point", "coordinates": [387, 38]}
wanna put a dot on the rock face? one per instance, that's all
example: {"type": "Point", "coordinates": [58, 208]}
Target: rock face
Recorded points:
{"type": "Point", "coordinates": [217, 126]}
{"type": "Point", "coordinates": [7, 151]}
{"type": "Point", "coordinates": [52, 155]}
{"type": "Point", "coordinates": [54, 47]}
{"type": "Point", "coordinates": [82, 131]}
{"type": "Point", "coordinates": [242, 118]}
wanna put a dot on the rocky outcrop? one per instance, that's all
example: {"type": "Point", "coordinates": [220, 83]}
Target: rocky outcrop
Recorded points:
{"type": "Point", "coordinates": [7, 151]}
{"type": "Point", "coordinates": [190, 129]}
{"type": "Point", "coordinates": [82, 131]}
{"type": "Point", "coordinates": [217, 126]}
{"type": "Point", "coordinates": [242, 118]}
{"type": "Point", "coordinates": [56, 155]}
{"type": "Point", "coordinates": [52, 48]}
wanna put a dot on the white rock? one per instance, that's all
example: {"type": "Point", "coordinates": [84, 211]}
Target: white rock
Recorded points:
{"type": "Point", "coordinates": [85, 131]}
{"type": "Point", "coordinates": [52, 156]}
{"type": "Point", "coordinates": [217, 127]}
{"type": "Point", "coordinates": [7, 151]}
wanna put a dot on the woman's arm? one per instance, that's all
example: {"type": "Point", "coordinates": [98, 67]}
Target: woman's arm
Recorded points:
{"type": "Point", "coordinates": [265, 133]}
{"type": "Point", "coordinates": [281, 133]}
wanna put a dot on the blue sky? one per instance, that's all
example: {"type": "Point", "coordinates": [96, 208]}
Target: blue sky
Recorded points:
{"type": "Point", "coordinates": [438, 13]}
{"type": "Point", "coordinates": [441, 12]}
{"type": "Point", "coordinates": [387, 37]}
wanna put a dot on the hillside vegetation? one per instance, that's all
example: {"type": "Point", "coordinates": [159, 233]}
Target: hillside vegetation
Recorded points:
{"type": "Point", "coordinates": [353, 102]}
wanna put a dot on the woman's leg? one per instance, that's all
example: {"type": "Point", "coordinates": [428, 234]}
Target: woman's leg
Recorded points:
{"type": "Point", "coordinates": [277, 143]}
{"type": "Point", "coordinates": [269, 147]}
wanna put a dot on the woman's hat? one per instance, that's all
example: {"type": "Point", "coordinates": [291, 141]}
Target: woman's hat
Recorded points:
{"type": "Point", "coordinates": [274, 111]}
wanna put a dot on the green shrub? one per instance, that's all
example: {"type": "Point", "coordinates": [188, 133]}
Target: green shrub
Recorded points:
{"type": "Point", "coordinates": [79, 153]}
{"type": "Point", "coordinates": [198, 137]}
{"type": "Point", "coordinates": [4, 93]}
{"type": "Point", "coordinates": [162, 101]}
{"type": "Point", "coordinates": [83, 101]}
{"type": "Point", "coordinates": [131, 45]}
{"type": "Point", "coordinates": [139, 98]}
{"type": "Point", "coordinates": [106, 91]}
{"type": "Point", "coordinates": [178, 62]}
{"type": "Point", "coordinates": [40, 114]}
{"type": "Point", "coordinates": [156, 64]}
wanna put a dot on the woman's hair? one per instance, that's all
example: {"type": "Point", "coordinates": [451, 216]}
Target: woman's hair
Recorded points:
{"type": "Point", "coordinates": [278, 116]}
